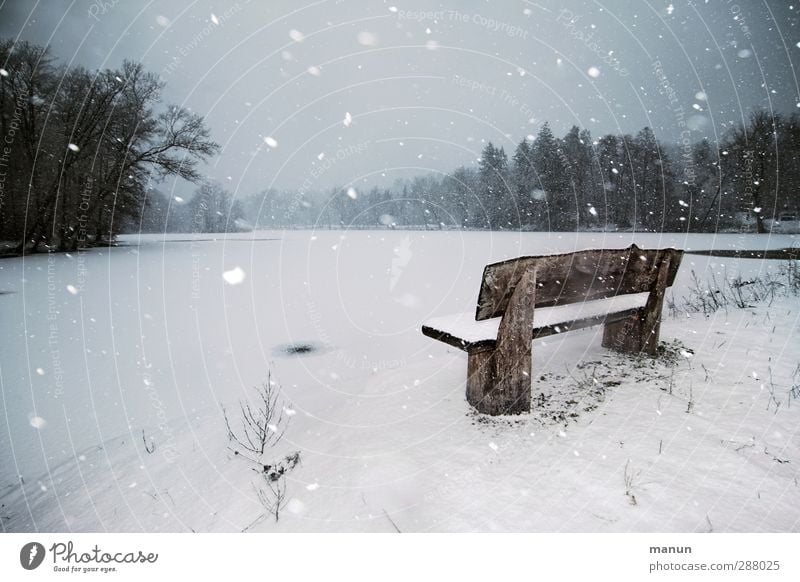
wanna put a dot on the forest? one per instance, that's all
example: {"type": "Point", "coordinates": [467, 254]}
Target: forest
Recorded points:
{"type": "Point", "coordinates": [83, 153]}
{"type": "Point", "coordinates": [577, 182]}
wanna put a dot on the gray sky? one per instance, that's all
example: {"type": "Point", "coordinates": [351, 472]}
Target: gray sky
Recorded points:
{"type": "Point", "coordinates": [427, 84]}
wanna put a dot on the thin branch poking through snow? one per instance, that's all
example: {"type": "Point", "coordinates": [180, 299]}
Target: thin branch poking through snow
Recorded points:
{"type": "Point", "coordinates": [397, 529]}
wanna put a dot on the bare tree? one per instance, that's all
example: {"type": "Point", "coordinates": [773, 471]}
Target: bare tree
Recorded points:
{"type": "Point", "coordinates": [85, 147]}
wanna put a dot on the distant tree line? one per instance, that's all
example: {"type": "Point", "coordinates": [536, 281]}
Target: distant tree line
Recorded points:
{"type": "Point", "coordinates": [80, 149]}
{"type": "Point", "coordinates": [577, 183]}
{"type": "Point", "coordinates": [210, 209]}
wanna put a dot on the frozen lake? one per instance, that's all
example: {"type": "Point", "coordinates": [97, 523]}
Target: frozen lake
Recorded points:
{"type": "Point", "coordinates": [155, 334]}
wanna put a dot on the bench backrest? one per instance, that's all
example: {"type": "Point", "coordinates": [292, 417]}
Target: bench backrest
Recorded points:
{"type": "Point", "coordinates": [575, 277]}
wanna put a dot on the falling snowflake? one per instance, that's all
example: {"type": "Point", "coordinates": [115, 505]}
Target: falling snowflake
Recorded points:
{"type": "Point", "coordinates": [38, 422]}
{"type": "Point", "coordinates": [312, 70]}
{"type": "Point", "coordinates": [312, 486]}
{"type": "Point", "coordinates": [214, 19]}
{"type": "Point", "coordinates": [271, 142]}
{"type": "Point", "coordinates": [296, 35]}
{"type": "Point", "coordinates": [367, 38]}
{"type": "Point", "coordinates": [348, 119]}
{"type": "Point", "coordinates": [351, 192]}
{"type": "Point", "coordinates": [72, 289]}
{"type": "Point", "coordinates": [493, 446]}
{"type": "Point", "coordinates": [234, 276]}
{"type": "Point", "coordinates": [592, 211]}
{"type": "Point", "coordinates": [73, 147]}
{"type": "Point", "coordinates": [593, 72]}
{"type": "Point", "coordinates": [162, 21]}
{"type": "Point", "coordinates": [3, 73]}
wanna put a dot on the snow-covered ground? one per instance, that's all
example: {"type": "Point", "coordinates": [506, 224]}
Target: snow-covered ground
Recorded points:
{"type": "Point", "coordinates": [157, 335]}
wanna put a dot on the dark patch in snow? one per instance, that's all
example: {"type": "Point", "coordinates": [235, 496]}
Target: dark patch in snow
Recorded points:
{"type": "Point", "coordinates": [297, 349]}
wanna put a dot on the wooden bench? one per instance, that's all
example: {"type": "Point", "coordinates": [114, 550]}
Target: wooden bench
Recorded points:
{"type": "Point", "coordinates": [532, 297]}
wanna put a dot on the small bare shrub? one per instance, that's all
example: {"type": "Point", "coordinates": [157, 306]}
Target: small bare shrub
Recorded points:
{"type": "Point", "coordinates": [630, 477]}
{"type": "Point", "coordinates": [261, 426]}
{"type": "Point", "coordinates": [709, 297]}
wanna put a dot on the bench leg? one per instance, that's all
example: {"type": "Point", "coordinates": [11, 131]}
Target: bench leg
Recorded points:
{"type": "Point", "coordinates": [493, 391]}
{"type": "Point", "coordinates": [639, 333]}
{"type": "Point", "coordinates": [480, 379]}
{"type": "Point", "coordinates": [499, 380]}
{"type": "Point", "coordinates": [632, 335]}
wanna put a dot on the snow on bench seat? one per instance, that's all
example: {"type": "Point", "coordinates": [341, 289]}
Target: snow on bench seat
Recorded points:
{"type": "Point", "coordinates": [462, 331]}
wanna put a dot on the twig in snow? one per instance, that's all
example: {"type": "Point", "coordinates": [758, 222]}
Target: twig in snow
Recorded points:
{"type": "Point", "coordinates": [708, 374]}
{"type": "Point", "coordinates": [774, 458]}
{"type": "Point", "coordinates": [772, 397]}
{"type": "Point", "coordinates": [630, 477]}
{"type": "Point", "coordinates": [397, 529]}
{"type": "Point", "coordinates": [752, 443]}
{"type": "Point", "coordinates": [149, 448]}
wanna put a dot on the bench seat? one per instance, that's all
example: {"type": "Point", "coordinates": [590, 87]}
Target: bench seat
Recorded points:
{"type": "Point", "coordinates": [463, 332]}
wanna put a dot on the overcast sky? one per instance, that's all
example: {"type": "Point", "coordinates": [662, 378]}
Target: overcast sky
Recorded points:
{"type": "Point", "coordinates": [356, 92]}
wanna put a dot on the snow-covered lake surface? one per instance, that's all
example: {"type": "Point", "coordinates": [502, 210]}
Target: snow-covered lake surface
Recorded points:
{"type": "Point", "coordinates": [157, 334]}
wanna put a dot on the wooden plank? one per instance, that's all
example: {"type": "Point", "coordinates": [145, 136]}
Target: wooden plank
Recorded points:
{"type": "Point", "coordinates": [573, 277]}
{"type": "Point", "coordinates": [510, 392]}
{"type": "Point", "coordinates": [640, 332]}
{"type": "Point", "coordinates": [539, 332]}
{"type": "Point", "coordinates": [480, 374]}
{"type": "Point", "coordinates": [457, 342]}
